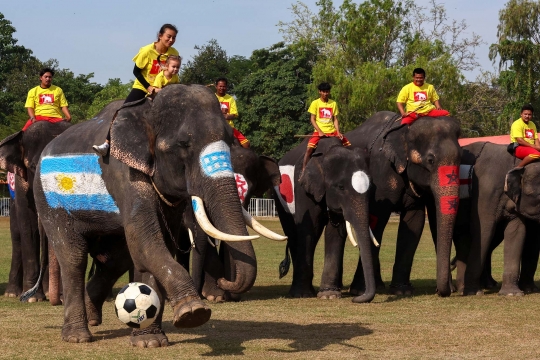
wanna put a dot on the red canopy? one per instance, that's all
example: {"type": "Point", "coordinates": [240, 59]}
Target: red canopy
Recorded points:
{"type": "Point", "coordinates": [499, 139]}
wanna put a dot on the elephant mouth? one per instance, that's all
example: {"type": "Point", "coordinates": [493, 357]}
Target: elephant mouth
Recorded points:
{"type": "Point", "coordinates": [211, 230]}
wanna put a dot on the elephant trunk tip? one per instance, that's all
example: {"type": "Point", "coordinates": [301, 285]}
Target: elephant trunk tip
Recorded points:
{"type": "Point", "coordinates": [239, 286]}
{"type": "Point", "coordinates": [364, 298]}
{"type": "Point", "coordinates": [444, 292]}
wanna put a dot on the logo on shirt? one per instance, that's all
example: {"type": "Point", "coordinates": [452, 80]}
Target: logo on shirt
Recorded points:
{"type": "Point", "coordinates": [46, 99]}
{"type": "Point", "coordinates": [325, 113]}
{"type": "Point", "coordinates": [225, 105]}
{"type": "Point", "coordinates": [420, 96]}
{"type": "Point", "coordinates": [529, 133]}
{"type": "Point", "coordinates": [156, 67]}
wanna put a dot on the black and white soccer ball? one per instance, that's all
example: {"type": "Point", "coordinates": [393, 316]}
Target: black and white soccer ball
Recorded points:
{"type": "Point", "coordinates": [137, 305]}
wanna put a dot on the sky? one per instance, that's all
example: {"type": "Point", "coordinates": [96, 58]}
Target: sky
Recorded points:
{"type": "Point", "coordinates": [103, 36]}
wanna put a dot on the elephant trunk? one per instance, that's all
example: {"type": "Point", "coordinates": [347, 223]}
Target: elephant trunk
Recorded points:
{"type": "Point", "coordinates": [225, 211]}
{"type": "Point", "coordinates": [360, 228]}
{"type": "Point", "coordinates": [446, 195]}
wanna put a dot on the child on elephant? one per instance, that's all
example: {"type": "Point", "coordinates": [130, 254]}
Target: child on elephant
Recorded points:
{"type": "Point", "coordinates": [420, 99]}
{"type": "Point", "coordinates": [169, 75]}
{"type": "Point", "coordinates": [523, 132]}
{"type": "Point", "coordinates": [324, 119]}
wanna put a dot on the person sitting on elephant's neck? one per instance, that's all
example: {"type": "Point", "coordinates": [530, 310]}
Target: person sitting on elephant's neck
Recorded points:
{"type": "Point", "coordinates": [420, 99]}
{"type": "Point", "coordinates": [169, 75]}
{"type": "Point", "coordinates": [46, 101]}
{"type": "Point", "coordinates": [523, 131]}
{"type": "Point", "coordinates": [229, 109]}
{"type": "Point", "coordinates": [148, 63]}
{"type": "Point", "coordinates": [323, 116]}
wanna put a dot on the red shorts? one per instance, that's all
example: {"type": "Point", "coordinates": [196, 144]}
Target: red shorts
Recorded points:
{"type": "Point", "coordinates": [412, 117]}
{"type": "Point", "coordinates": [314, 140]}
{"type": "Point", "coordinates": [523, 151]}
{"type": "Point", "coordinates": [241, 138]}
{"type": "Point", "coordinates": [41, 118]}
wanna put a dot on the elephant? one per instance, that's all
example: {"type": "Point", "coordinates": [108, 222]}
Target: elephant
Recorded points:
{"type": "Point", "coordinates": [21, 152]}
{"type": "Point", "coordinates": [412, 167]}
{"type": "Point", "coordinates": [166, 155]}
{"type": "Point", "coordinates": [332, 192]}
{"type": "Point", "coordinates": [503, 204]}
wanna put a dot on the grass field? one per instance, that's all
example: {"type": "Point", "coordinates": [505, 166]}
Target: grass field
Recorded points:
{"type": "Point", "coordinates": [268, 325]}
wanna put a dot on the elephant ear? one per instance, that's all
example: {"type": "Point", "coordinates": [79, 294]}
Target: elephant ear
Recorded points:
{"type": "Point", "coordinates": [395, 148]}
{"type": "Point", "coordinates": [268, 175]}
{"type": "Point", "coordinates": [132, 138]}
{"type": "Point", "coordinates": [11, 155]}
{"type": "Point", "coordinates": [512, 184]}
{"type": "Point", "coordinates": [312, 179]}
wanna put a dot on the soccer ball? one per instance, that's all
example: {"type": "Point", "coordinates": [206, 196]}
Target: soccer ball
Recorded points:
{"type": "Point", "coordinates": [137, 305]}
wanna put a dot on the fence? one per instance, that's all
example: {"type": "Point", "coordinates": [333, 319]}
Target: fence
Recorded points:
{"type": "Point", "coordinates": [257, 207]}
{"type": "Point", "coordinates": [262, 207]}
{"type": "Point", "coordinates": [4, 206]}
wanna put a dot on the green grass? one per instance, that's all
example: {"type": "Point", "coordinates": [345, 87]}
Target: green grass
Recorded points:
{"type": "Point", "coordinates": [268, 325]}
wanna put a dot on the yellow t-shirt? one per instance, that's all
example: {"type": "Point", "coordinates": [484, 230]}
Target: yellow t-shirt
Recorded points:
{"type": "Point", "coordinates": [161, 81]}
{"type": "Point", "coordinates": [418, 99]}
{"type": "Point", "coordinates": [228, 102]}
{"type": "Point", "coordinates": [324, 114]}
{"type": "Point", "coordinates": [46, 102]}
{"type": "Point", "coordinates": [522, 130]}
{"type": "Point", "coordinates": [147, 61]}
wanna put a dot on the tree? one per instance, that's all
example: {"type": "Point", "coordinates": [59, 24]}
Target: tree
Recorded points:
{"type": "Point", "coordinates": [113, 90]}
{"type": "Point", "coordinates": [272, 99]}
{"type": "Point", "coordinates": [518, 51]}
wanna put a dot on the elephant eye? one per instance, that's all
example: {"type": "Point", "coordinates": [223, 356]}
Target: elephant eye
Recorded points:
{"type": "Point", "coordinates": [341, 187]}
{"type": "Point", "coordinates": [184, 144]}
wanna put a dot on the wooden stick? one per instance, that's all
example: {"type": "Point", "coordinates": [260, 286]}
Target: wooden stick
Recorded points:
{"type": "Point", "coordinates": [304, 136]}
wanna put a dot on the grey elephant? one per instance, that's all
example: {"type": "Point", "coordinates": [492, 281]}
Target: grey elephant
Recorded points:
{"type": "Point", "coordinates": [500, 206]}
{"type": "Point", "coordinates": [332, 193]}
{"type": "Point", "coordinates": [19, 154]}
{"type": "Point", "coordinates": [412, 166]}
{"type": "Point", "coordinates": [166, 155]}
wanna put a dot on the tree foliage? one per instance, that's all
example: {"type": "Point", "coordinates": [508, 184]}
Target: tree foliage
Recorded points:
{"type": "Point", "coordinates": [518, 51]}
{"type": "Point", "coordinates": [272, 99]}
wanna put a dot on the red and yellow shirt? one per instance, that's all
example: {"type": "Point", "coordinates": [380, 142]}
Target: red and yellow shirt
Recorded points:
{"type": "Point", "coordinates": [418, 99]}
{"type": "Point", "coordinates": [228, 102]}
{"type": "Point", "coordinates": [526, 131]}
{"type": "Point", "coordinates": [46, 102]}
{"type": "Point", "coordinates": [147, 60]}
{"type": "Point", "coordinates": [324, 114]}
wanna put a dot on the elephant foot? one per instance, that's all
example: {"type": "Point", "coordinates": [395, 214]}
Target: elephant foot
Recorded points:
{"type": "Point", "coordinates": [93, 312]}
{"type": "Point", "coordinates": [511, 290]}
{"type": "Point", "coordinates": [489, 283]}
{"type": "Point", "coordinates": [76, 335]}
{"type": "Point", "coordinates": [302, 292]}
{"type": "Point", "coordinates": [469, 292]}
{"type": "Point", "coordinates": [11, 295]}
{"type": "Point", "coordinates": [150, 337]}
{"type": "Point", "coordinates": [213, 294]}
{"type": "Point", "coordinates": [13, 291]}
{"type": "Point", "coordinates": [329, 293]}
{"type": "Point", "coordinates": [529, 287]}
{"type": "Point", "coordinates": [401, 290]}
{"type": "Point", "coordinates": [34, 299]}
{"type": "Point", "coordinates": [190, 312]}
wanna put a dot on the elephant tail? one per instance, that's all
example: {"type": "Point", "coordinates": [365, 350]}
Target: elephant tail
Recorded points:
{"type": "Point", "coordinates": [44, 262]}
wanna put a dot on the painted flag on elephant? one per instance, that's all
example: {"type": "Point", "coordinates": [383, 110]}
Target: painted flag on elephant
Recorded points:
{"type": "Point", "coordinates": [465, 180]}
{"type": "Point", "coordinates": [74, 182]}
{"type": "Point", "coordinates": [285, 190]}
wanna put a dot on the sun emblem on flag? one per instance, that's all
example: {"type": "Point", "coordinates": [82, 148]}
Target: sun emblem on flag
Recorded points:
{"type": "Point", "coordinates": [66, 183]}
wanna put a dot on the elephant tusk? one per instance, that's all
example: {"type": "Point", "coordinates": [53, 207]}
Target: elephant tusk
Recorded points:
{"type": "Point", "coordinates": [191, 238]}
{"type": "Point", "coordinates": [375, 242]}
{"type": "Point", "coordinates": [350, 234]}
{"type": "Point", "coordinates": [210, 241]}
{"type": "Point", "coordinates": [255, 225]}
{"type": "Point", "coordinates": [209, 229]}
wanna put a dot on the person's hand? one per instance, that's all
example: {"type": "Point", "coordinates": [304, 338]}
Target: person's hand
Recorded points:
{"type": "Point", "coordinates": [438, 108]}
{"type": "Point", "coordinates": [339, 135]}
{"type": "Point", "coordinates": [33, 119]}
{"type": "Point", "coordinates": [151, 89]}
{"type": "Point", "coordinates": [156, 90]}
{"type": "Point", "coordinates": [68, 119]}
{"type": "Point", "coordinates": [321, 134]}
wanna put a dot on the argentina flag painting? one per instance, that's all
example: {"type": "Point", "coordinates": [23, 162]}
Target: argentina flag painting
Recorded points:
{"type": "Point", "coordinates": [74, 182]}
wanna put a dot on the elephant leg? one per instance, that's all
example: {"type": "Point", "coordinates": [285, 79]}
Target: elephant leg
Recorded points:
{"type": "Point", "coordinates": [486, 280]}
{"type": "Point", "coordinates": [105, 276]}
{"type": "Point", "coordinates": [14, 287]}
{"type": "Point", "coordinates": [30, 251]}
{"type": "Point", "coordinates": [514, 236]}
{"type": "Point", "coordinates": [183, 252]}
{"type": "Point", "coordinates": [529, 259]}
{"type": "Point", "coordinates": [213, 270]}
{"type": "Point", "coordinates": [410, 229]}
{"type": "Point", "coordinates": [358, 286]}
{"type": "Point", "coordinates": [310, 228]}
{"type": "Point", "coordinates": [153, 336]}
{"type": "Point", "coordinates": [332, 276]}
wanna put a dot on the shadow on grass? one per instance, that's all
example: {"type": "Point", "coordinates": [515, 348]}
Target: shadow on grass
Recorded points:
{"type": "Point", "coordinates": [226, 337]}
